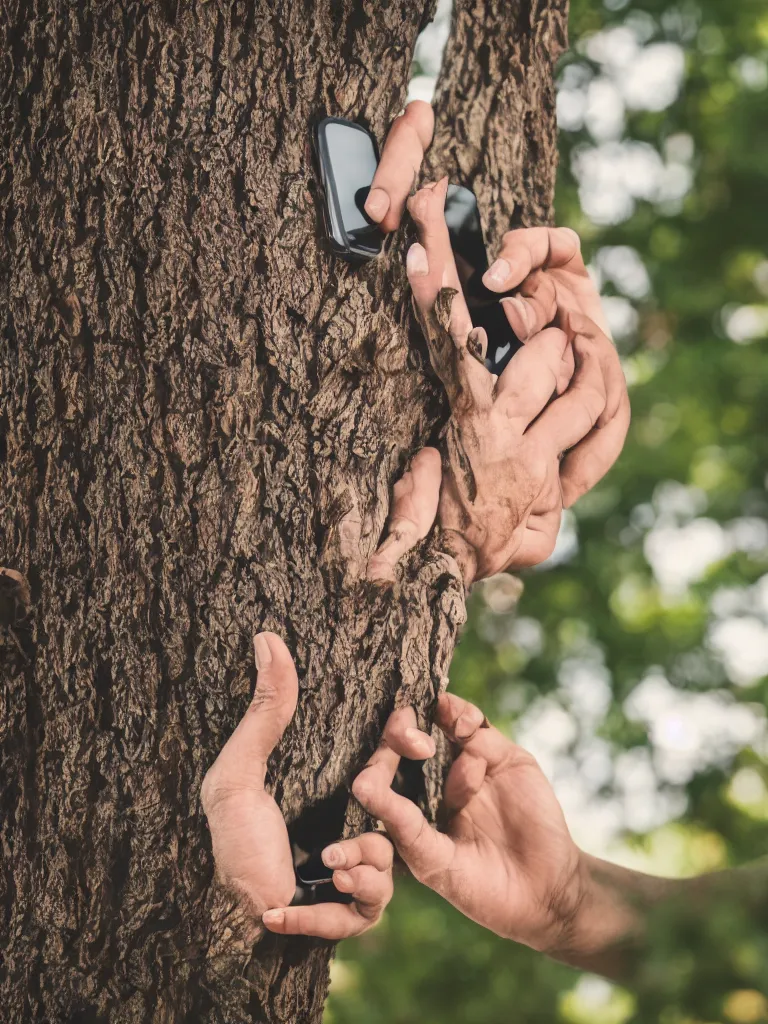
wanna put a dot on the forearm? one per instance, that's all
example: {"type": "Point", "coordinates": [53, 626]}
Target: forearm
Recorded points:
{"type": "Point", "coordinates": [612, 931]}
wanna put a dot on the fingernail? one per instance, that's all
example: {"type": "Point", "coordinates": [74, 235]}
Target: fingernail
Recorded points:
{"type": "Point", "coordinates": [273, 916]}
{"type": "Point", "coordinates": [497, 273]}
{"type": "Point", "coordinates": [416, 260]}
{"type": "Point", "coordinates": [333, 856]}
{"type": "Point", "coordinates": [343, 878]}
{"type": "Point", "coordinates": [422, 744]}
{"type": "Point", "coordinates": [377, 203]}
{"type": "Point", "coordinates": [522, 312]}
{"type": "Point", "coordinates": [469, 721]}
{"type": "Point", "coordinates": [261, 652]}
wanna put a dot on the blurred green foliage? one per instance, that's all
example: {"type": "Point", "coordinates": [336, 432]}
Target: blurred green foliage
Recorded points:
{"type": "Point", "coordinates": [666, 555]}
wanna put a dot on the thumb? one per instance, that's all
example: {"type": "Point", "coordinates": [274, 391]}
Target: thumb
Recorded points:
{"type": "Point", "coordinates": [277, 691]}
{"type": "Point", "coordinates": [243, 758]}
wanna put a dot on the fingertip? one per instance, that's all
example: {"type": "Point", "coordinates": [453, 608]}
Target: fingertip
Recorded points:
{"type": "Point", "coordinates": [377, 204]}
{"type": "Point", "coordinates": [422, 116]}
{"type": "Point", "coordinates": [333, 856]}
{"type": "Point", "coordinates": [269, 649]}
{"type": "Point", "coordinates": [420, 745]}
{"type": "Point", "coordinates": [379, 570]}
{"type": "Point", "coordinates": [428, 457]}
{"type": "Point", "coordinates": [343, 881]}
{"type": "Point", "coordinates": [262, 653]}
{"type": "Point", "coordinates": [497, 275]}
{"type": "Point", "coordinates": [477, 343]}
{"type": "Point", "coordinates": [416, 261]}
{"type": "Point", "coordinates": [571, 236]}
{"type": "Point", "coordinates": [468, 722]}
{"type": "Point", "coordinates": [363, 789]}
{"type": "Point", "coordinates": [403, 737]}
{"type": "Point", "coordinates": [275, 665]}
{"type": "Point", "coordinates": [274, 920]}
{"type": "Point", "coordinates": [458, 717]}
{"type": "Point", "coordinates": [428, 202]}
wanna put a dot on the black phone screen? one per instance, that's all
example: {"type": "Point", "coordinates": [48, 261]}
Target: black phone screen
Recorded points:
{"type": "Point", "coordinates": [348, 161]}
{"type": "Point", "coordinates": [466, 233]}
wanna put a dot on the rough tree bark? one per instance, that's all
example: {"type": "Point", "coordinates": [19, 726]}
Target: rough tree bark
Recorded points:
{"type": "Point", "coordinates": [201, 417]}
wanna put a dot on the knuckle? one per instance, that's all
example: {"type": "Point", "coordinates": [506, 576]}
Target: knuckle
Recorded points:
{"type": "Point", "coordinates": [363, 787]}
{"type": "Point", "coordinates": [571, 236]}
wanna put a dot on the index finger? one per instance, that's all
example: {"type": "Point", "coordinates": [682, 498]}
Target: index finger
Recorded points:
{"type": "Point", "coordinates": [396, 175]}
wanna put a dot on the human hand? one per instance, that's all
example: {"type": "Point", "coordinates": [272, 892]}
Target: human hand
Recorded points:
{"type": "Point", "coordinates": [250, 840]}
{"type": "Point", "coordinates": [407, 141]}
{"type": "Point", "coordinates": [505, 479]}
{"type": "Point", "coordinates": [507, 860]}
{"type": "Point", "coordinates": [546, 267]}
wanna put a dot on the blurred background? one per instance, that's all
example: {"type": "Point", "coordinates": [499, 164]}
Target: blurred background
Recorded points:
{"type": "Point", "coordinates": [634, 664]}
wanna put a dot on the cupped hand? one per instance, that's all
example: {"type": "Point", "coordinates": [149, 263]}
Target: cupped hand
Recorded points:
{"type": "Point", "coordinates": [249, 836]}
{"type": "Point", "coordinates": [507, 860]}
{"type": "Point", "coordinates": [518, 448]}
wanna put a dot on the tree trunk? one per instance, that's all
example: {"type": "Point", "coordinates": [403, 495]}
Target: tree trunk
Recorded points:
{"type": "Point", "coordinates": [201, 417]}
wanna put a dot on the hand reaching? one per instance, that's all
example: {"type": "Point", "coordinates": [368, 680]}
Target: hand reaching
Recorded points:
{"type": "Point", "coordinates": [505, 477]}
{"type": "Point", "coordinates": [507, 860]}
{"type": "Point", "coordinates": [249, 836]}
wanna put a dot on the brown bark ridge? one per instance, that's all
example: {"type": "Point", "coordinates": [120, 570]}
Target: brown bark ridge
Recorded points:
{"type": "Point", "coordinates": [201, 417]}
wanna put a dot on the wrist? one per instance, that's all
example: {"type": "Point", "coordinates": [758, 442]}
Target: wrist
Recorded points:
{"type": "Point", "coordinates": [604, 919]}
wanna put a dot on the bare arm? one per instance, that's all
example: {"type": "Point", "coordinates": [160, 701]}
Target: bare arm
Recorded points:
{"type": "Point", "coordinates": [507, 859]}
{"type": "Point", "coordinates": [622, 911]}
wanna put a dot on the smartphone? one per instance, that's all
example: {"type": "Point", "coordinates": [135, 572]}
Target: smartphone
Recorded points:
{"type": "Point", "coordinates": [314, 883]}
{"type": "Point", "coordinates": [347, 158]}
{"type": "Point", "coordinates": [466, 233]}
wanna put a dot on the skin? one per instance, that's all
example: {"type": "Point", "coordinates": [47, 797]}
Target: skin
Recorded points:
{"type": "Point", "coordinates": [249, 836]}
{"type": "Point", "coordinates": [508, 862]}
{"type": "Point", "coordinates": [514, 458]}
{"type": "Point", "coordinates": [499, 492]}
{"type": "Point", "coordinates": [506, 858]}
{"type": "Point", "coordinates": [504, 479]}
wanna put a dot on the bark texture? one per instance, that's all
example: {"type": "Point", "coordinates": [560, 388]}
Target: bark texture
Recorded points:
{"type": "Point", "coordinates": [201, 417]}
